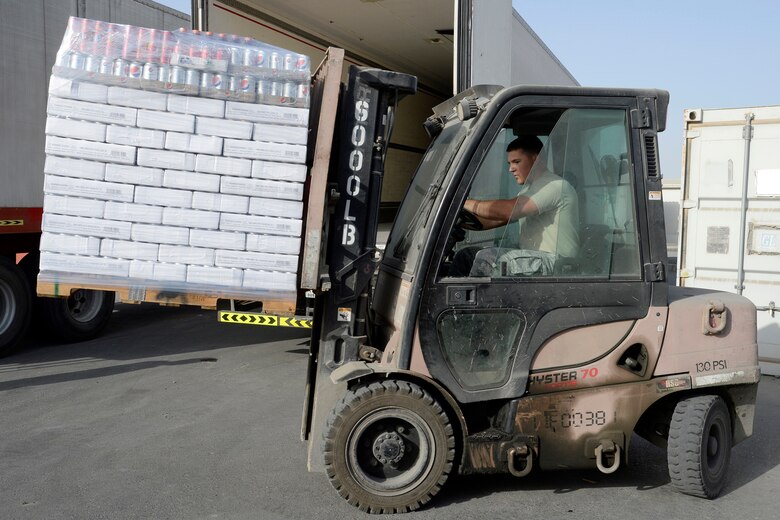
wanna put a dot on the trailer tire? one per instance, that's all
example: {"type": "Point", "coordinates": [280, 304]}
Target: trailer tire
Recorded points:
{"type": "Point", "coordinates": [79, 317]}
{"type": "Point", "coordinates": [389, 447]}
{"type": "Point", "coordinates": [15, 306]}
{"type": "Point", "coordinates": [699, 448]}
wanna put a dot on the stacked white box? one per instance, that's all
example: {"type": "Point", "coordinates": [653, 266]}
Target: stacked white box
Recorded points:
{"type": "Point", "coordinates": [173, 186]}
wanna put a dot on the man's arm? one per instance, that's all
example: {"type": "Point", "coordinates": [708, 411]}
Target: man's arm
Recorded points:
{"type": "Point", "coordinates": [499, 212]}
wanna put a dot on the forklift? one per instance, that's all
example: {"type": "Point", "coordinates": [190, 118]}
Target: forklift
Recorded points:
{"type": "Point", "coordinates": [417, 372]}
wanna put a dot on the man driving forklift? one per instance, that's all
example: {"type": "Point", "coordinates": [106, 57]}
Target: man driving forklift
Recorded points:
{"type": "Point", "coordinates": [547, 208]}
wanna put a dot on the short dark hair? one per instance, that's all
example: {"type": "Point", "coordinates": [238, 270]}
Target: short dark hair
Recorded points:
{"type": "Point", "coordinates": [527, 143]}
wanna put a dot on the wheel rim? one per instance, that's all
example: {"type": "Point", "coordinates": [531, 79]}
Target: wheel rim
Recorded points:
{"type": "Point", "coordinates": [714, 447]}
{"type": "Point", "coordinates": [390, 451]}
{"type": "Point", "coordinates": [7, 306]}
{"type": "Point", "coordinates": [84, 305]}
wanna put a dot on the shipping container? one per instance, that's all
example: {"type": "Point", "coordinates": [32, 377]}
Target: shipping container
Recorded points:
{"type": "Point", "coordinates": [730, 212]}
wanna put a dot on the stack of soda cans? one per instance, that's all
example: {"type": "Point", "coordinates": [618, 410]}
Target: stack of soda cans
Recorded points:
{"type": "Point", "coordinates": [175, 160]}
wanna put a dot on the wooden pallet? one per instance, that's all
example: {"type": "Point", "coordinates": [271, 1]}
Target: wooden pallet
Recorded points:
{"type": "Point", "coordinates": [165, 297]}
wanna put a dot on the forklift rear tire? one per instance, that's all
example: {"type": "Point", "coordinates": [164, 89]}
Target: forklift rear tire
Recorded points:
{"type": "Point", "coordinates": [389, 447]}
{"type": "Point", "coordinates": [699, 447]}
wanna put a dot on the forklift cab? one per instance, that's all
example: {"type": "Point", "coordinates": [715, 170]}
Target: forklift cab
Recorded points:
{"type": "Point", "coordinates": [477, 333]}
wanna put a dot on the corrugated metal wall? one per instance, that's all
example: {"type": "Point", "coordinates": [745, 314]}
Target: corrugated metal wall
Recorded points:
{"type": "Point", "coordinates": [30, 34]}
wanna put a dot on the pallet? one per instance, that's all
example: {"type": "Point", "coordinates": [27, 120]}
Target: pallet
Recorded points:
{"type": "Point", "coordinates": [164, 297]}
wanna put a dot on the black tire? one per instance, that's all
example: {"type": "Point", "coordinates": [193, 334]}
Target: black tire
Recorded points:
{"type": "Point", "coordinates": [389, 447]}
{"type": "Point", "coordinates": [699, 448]}
{"type": "Point", "coordinates": [79, 317]}
{"type": "Point", "coordinates": [15, 306]}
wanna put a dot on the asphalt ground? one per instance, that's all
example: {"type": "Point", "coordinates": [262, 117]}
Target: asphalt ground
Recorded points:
{"type": "Point", "coordinates": [171, 415]}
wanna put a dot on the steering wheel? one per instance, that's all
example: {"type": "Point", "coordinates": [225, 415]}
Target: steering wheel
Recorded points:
{"type": "Point", "coordinates": [468, 220]}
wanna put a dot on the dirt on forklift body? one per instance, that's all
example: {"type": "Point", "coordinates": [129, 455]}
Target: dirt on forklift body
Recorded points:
{"type": "Point", "coordinates": [521, 360]}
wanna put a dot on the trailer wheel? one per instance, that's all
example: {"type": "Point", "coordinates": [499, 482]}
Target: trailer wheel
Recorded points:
{"type": "Point", "coordinates": [80, 316]}
{"type": "Point", "coordinates": [699, 446]}
{"type": "Point", "coordinates": [15, 306]}
{"type": "Point", "coordinates": [389, 447]}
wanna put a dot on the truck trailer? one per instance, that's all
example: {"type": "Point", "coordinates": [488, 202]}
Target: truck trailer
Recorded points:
{"type": "Point", "coordinates": [31, 34]}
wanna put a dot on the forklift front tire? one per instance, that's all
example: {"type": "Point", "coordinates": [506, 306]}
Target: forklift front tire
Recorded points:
{"type": "Point", "coordinates": [389, 447]}
{"type": "Point", "coordinates": [699, 447]}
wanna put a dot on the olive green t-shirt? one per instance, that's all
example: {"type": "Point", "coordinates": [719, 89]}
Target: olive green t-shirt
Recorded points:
{"type": "Point", "coordinates": [554, 228]}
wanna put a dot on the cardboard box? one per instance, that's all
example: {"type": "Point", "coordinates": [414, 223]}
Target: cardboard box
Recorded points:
{"type": "Point", "coordinates": [260, 225]}
{"type": "Point", "coordinates": [93, 227]}
{"type": "Point", "coordinates": [223, 165]}
{"type": "Point", "coordinates": [155, 271]}
{"type": "Point", "coordinates": [275, 207]}
{"type": "Point", "coordinates": [267, 113]}
{"type": "Point", "coordinates": [193, 143]}
{"type": "Point", "coordinates": [131, 212]}
{"type": "Point", "coordinates": [160, 234]}
{"type": "Point", "coordinates": [74, 129]}
{"type": "Point", "coordinates": [223, 127]}
{"type": "Point", "coordinates": [131, 136]}
{"type": "Point", "coordinates": [134, 174]}
{"type": "Point", "coordinates": [91, 265]}
{"type": "Point", "coordinates": [196, 106]}
{"type": "Point", "coordinates": [258, 261]}
{"type": "Point", "coordinates": [103, 152]}
{"type": "Point", "coordinates": [273, 244]}
{"type": "Point", "coordinates": [217, 239]}
{"type": "Point", "coordinates": [279, 171]}
{"type": "Point", "coordinates": [163, 196]}
{"type": "Point", "coordinates": [66, 88]}
{"type": "Point", "coordinates": [214, 276]}
{"type": "Point", "coordinates": [191, 181]}
{"type": "Point", "coordinates": [186, 255]}
{"type": "Point", "coordinates": [292, 153]}
{"type": "Point", "coordinates": [102, 190]}
{"type": "Point", "coordinates": [67, 167]}
{"type": "Point", "coordinates": [166, 121]}
{"type": "Point", "coordinates": [129, 250]}
{"type": "Point", "coordinates": [97, 112]}
{"type": "Point", "coordinates": [74, 206]}
{"type": "Point", "coordinates": [166, 159]}
{"type": "Point", "coordinates": [262, 188]}
{"type": "Point", "coordinates": [270, 281]}
{"type": "Point", "coordinates": [280, 133]}
{"type": "Point", "coordinates": [70, 244]}
{"type": "Point", "coordinates": [137, 98]}
{"type": "Point", "coordinates": [190, 218]}
{"type": "Point", "coordinates": [220, 202]}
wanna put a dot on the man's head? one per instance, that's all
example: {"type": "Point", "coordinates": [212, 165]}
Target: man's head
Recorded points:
{"type": "Point", "coordinates": [521, 155]}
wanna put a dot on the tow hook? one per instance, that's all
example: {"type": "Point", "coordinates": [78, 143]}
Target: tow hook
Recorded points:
{"type": "Point", "coordinates": [524, 456]}
{"type": "Point", "coordinates": [606, 448]}
{"type": "Point", "coordinates": [714, 319]}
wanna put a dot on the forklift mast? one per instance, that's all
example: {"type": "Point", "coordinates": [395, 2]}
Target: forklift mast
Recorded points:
{"type": "Point", "coordinates": [364, 123]}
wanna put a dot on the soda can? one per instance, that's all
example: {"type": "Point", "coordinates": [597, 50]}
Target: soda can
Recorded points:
{"type": "Point", "coordinates": [191, 77]}
{"type": "Point", "coordinates": [76, 61]}
{"type": "Point", "coordinates": [178, 75]}
{"type": "Point", "coordinates": [302, 94]}
{"type": "Point", "coordinates": [302, 63]}
{"type": "Point", "coordinates": [289, 89]}
{"type": "Point", "coordinates": [120, 67]}
{"type": "Point", "coordinates": [259, 58]}
{"type": "Point", "coordinates": [63, 59]}
{"type": "Point", "coordinates": [134, 70]}
{"type": "Point", "coordinates": [151, 71]}
{"type": "Point", "coordinates": [106, 65]}
{"type": "Point", "coordinates": [276, 61]}
{"type": "Point", "coordinates": [289, 62]}
{"type": "Point", "coordinates": [263, 88]}
{"type": "Point", "coordinates": [236, 56]}
{"type": "Point", "coordinates": [164, 73]}
{"type": "Point", "coordinates": [277, 88]}
{"type": "Point", "coordinates": [213, 81]}
{"type": "Point", "coordinates": [242, 84]}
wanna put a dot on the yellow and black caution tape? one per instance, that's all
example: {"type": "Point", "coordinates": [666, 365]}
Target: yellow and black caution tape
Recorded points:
{"type": "Point", "coordinates": [17, 222]}
{"type": "Point", "coordinates": [268, 320]}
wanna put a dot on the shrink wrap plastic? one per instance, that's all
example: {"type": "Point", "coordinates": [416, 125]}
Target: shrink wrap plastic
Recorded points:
{"type": "Point", "coordinates": [156, 140]}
